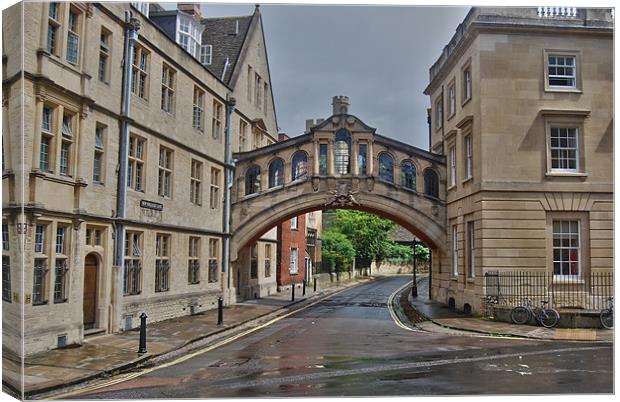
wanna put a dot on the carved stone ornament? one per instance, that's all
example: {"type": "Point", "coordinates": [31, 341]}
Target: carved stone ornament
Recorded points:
{"type": "Point", "coordinates": [315, 184]}
{"type": "Point", "coordinates": [342, 196]}
{"type": "Point", "coordinates": [370, 183]}
{"type": "Point", "coordinates": [434, 210]}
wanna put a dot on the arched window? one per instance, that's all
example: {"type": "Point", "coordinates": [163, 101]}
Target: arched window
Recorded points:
{"type": "Point", "coordinates": [342, 151]}
{"type": "Point", "coordinates": [252, 180]}
{"type": "Point", "coordinates": [431, 183]}
{"type": "Point", "coordinates": [407, 175]}
{"type": "Point", "coordinates": [300, 166]}
{"type": "Point", "coordinates": [276, 173]}
{"type": "Point", "coordinates": [386, 167]}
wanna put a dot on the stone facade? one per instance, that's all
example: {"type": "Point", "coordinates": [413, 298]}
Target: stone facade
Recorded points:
{"type": "Point", "coordinates": [65, 113]}
{"type": "Point", "coordinates": [494, 108]}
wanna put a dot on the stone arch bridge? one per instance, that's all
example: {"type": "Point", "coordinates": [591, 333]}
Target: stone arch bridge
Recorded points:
{"type": "Point", "coordinates": [339, 163]}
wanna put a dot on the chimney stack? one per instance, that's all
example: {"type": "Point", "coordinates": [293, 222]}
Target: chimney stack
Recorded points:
{"type": "Point", "coordinates": [340, 104]}
{"type": "Point", "coordinates": [190, 8]}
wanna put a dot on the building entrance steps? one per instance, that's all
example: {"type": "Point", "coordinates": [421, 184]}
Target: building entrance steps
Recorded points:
{"type": "Point", "coordinates": [103, 355]}
{"type": "Point", "coordinates": [432, 316]}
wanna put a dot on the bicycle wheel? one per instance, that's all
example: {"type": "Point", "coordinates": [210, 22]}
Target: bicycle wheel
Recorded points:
{"type": "Point", "coordinates": [549, 317]}
{"type": "Point", "coordinates": [607, 318]}
{"type": "Point", "coordinates": [520, 315]}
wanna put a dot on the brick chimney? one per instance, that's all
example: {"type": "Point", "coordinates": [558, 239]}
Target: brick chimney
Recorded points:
{"type": "Point", "coordinates": [190, 8]}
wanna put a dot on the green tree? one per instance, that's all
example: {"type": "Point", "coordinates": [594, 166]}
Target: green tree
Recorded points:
{"type": "Point", "coordinates": [368, 232]}
{"type": "Point", "coordinates": [337, 249]}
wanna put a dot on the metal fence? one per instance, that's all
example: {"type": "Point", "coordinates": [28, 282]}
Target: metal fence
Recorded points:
{"type": "Point", "coordinates": [512, 288]}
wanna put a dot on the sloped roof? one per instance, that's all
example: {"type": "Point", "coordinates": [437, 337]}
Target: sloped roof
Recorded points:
{"type": "Point", "coordinates": [226, 42]}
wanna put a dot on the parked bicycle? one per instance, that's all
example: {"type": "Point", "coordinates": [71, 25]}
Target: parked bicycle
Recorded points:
{"type": "Point", "coordinates": [607, 315]}
{"type": "Point", "coordinates": [547, 317]}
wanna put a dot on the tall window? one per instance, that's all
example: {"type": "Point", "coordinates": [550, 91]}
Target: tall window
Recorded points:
{"type": "Point", "coordinates": [258, 85]}
{"type": "Point", "coordinates": [53, 28]}
{"type": "Point", "coordinates": [362, 157]}
{"type": "Point", "coordinates": [135, 165]}
{"type": "Point", "coordinates": [407, 173]}
{"type": "Point", "coordinates": [104, 54]}
{"type": "Point", "coordinates": [66, 145]}
{"type": "Point", "coordinates": [452, 166]}
{"type": "Point", "coordinates": [466, 83]}
{"type": "Point", "coordinates": [214, 258]}
{"type": "Point", "coordinates": [167, 88]}
{"type": "Point", "coordinates": [193, 261]}
{"type": "Point", "coordinates": [468, 156]}
{"type": "Point", "coordinates": [73, 36]}
{"type": "Point", "coordinates": [562, 71]}
{"type": "Point", "coordinates": [164, 184]}
{"type": "Point", "coordinates": [564, 149]}
{"type": "Point", "coordinates": [99, 156]}
{"type": "Point", "coordinates": [294, 261]}
{"type": "Point", "coordinates": [6, 263]}
{"type": "Point", "coordinates": [451, 100]}
{"type": "Point", "coordinates": [470, 249]}
{"type": "Point", "coordinates": [189, 36]}
{"type": "Point", "coordinates": [265, 96]}
{"type": "Point", "coordinates": [455, 251]}
{"type": "Point", "coordinates": [252, 180]}
{"type": "Point", "coordinates": [323, 159]}
{"type": "Point", "coordinates": [294, 223]}
{"type": "Point", "coordinates": [47, 135]}
{"type": "Point", "coordinates": [439, 113]}
{"type": "Point", "coordinates": [139, 71]}
{"type": "Point", "coordinates": [386, 167]}
{"type": "Point", "coordinates": [206, 52]}
{"type": "Point", "coordinates": [566, 248]}
{"type": "Point", "coordinates": [431, 183]}
{"type": "Point", "coordinates": [214, 199]}
{"type": "Point", "coordinates": [243, 135]}
{"type": "Point", "coordinates": [342, 151]}
{"type": "Point", "coordinates": [195, 189]}
{"type": "Point", "coordinates": [267, 260]}
{"type": "Point", "coordinates": [250, 78]}
{"type": "Point", "coordinates": [61, 267]}
{"type": "Point", "coordinates": [198, 109]}
{"type": "Point", "coordinates": [41, 264]}
{"type": "Point", "coordinates": [162, 262]}
{"type": "Point", "coordinates": [132, 275]}
{"type": "Point", "coordinates": [254, 261]}
{"type": "Point", "coordinates": [276, 173]}
{"type": "Point", "coordinates": [299, 166]}
{"type": "Point", "coordinates": [216, 123]}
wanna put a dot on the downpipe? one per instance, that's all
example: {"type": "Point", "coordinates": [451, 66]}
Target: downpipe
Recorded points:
{"type": "Point", "coordinates": [229, 168]}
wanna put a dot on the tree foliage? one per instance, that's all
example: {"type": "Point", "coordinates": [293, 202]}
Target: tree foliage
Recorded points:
{"type": "Point", "coordinates": [337, 249]}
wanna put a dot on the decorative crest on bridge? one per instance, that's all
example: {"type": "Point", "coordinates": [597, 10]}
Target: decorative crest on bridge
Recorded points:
{"type": "Point", "coordinates": [342, 196]}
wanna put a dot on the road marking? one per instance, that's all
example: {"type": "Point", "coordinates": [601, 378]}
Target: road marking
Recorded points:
{"type": "Point", "coordinates": [131, 376]}
{"type": "Point", "coordinates": [397, 320]}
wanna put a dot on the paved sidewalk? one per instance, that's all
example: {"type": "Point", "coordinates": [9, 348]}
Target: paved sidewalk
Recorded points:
{"type": "Point", "coordinates": [110, 354]}
{"type": "Point", "coordinates": [439, 314]}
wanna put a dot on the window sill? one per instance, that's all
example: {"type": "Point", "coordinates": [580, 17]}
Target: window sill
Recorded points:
{"type": "Point", "coordinates": [162, 291]}
{"type": "Point", "coordinates": [60, 301]}
{"type": "Point", "coordinates": [471, 279]}
{"type": "Point", "coordinates": [452, 187]}
{"type": "Point", "coordinates": [451, 116]}
{"type": "Point", "coordinates": [562, 89]}
{"type": "Point", "coordinates": [561, 279]}
{"type": "Point", "coordinates": [566, 174]}
{"type": "Point", "coordinates": [465, 101]}
{"type": "Point", "coordinates": [467, 179]}
{"type": "Point", "coordinates": [194, 283]}
{"type": "Point", "coordinates": [454, 278]}
{"type": "Point", "coordinates": [132, 294]}
{"type": "Point", "coordinates": [41, 303]}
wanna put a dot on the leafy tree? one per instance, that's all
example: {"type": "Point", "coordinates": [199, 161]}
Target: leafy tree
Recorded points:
{"type": "Point", "coordinates": [368, 232]}
{"type": "Point", "coordinates": [337, 249]}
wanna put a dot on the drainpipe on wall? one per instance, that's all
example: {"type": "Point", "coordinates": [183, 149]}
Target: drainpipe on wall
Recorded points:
{"type": "Point", "coordinates": [229, 168]}
{"type": "Point", "coordinates": [132, 25]}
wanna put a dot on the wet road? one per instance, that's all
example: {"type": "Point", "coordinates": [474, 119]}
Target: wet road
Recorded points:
{"type": "Point", "coordinates": [348, 345]}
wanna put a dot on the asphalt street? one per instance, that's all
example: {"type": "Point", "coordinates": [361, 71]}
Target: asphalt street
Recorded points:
{"type": "Point", "coordinates": [349, 345]}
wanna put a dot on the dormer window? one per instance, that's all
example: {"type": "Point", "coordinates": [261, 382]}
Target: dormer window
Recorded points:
{"type": "Point", "coordinates": [189, 35]}
{"type": "Point", "coordinates": [206, 53]}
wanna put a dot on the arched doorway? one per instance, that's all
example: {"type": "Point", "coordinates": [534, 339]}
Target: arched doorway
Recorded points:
{"type": "Point", "coordinates": [91, 267]}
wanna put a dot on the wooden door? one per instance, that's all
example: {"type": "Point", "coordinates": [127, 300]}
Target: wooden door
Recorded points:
{"type": "Point", "coordinates": [90, 291]}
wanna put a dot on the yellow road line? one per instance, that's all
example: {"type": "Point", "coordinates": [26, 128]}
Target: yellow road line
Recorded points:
{"type": "Point", "coordinates": [188, 356]}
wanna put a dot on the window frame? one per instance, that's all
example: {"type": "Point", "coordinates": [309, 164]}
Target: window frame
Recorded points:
{"type": "Point", "coordinates": [468, 158]}
{"type": "Point", "coordinates": [135, 179]}
{"type": "Point", "coordinates": [452, 165]}
{"type": "Point", "coordinates": [99, 153]}
{"type": "Point", "coordinates": [294, 261]}
{"type": "Point", "coordinates": [162, 262]}
{"type": "Point", "coordinates": [105, 53]}
{"type": "Point", "coordinates": [467, 84]}
{"type": "Point", "coordinates": [132, 275]}
{"type": "Point", "coordinates": [439, 112]}
{"type": "Point", "coordinates": [198, 109]}
{"type": "Point", "coordinates": [451, 99]}
{"type": "Point", "coordinates": [165, 172]}
{"type": "Point", "coordinates": [577, 88]}
{"type": "Point", "coordinates": [214, 259]}
{"type": "Point", "coordinates": [195, 182]}
{"type": "Point", "coordinates": [168, 87]}
{"type": "Point", "coordinates": [455, 250]}
{"type": "Point", "coordinates": [139, 83]}
{"type": "Point", "coordinates": [193, 260]}
{"type": "Point", "coordinates": [570, 122]}
{"type": "Point", "coordinates": [214, 188]}
{"type": "Point", "coordinates": [471, 248]}
{"type": "Point", "coordinates": [216, 122]}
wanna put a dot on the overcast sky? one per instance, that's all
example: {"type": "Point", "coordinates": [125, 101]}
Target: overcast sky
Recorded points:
{"type": "Point", "coordinates": [379, 56]}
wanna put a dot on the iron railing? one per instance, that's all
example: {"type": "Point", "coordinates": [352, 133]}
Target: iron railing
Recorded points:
{"type": "Point", "coordinates": [589, 292]}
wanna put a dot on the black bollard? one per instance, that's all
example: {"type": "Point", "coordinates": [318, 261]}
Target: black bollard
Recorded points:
{"type": "Point", "coordinates": [220, 311]}
{"type": "Point", "coordinates": [293, 291]}
{"type": "Point", "coordinates": [304, 291]}
{"type": "Point", "coordinates": [315, 283]}
{"type": "Point", "coordinates": [142, 347]}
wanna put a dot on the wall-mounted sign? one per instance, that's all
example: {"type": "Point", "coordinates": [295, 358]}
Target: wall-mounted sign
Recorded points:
{"type": "Point", "coordinates": [151, 205]}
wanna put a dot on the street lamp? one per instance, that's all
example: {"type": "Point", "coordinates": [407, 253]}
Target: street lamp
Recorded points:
{"type": "Point", "coordinates": [414, 286]}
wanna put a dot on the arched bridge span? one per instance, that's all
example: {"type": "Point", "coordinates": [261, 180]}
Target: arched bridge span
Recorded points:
{"type": "Point", "coordinates": [339, 163]}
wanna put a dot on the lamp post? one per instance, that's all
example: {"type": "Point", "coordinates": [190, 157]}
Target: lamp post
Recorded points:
{"type": "Point", "coordinates": [414, 286]}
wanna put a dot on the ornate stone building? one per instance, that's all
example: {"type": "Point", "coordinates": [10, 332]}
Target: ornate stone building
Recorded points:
{"type": "Point", "coordinates": [63, 106]}
{"type": "Point", "coordinates": [522, 107]}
